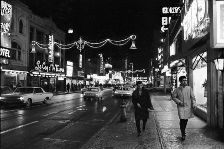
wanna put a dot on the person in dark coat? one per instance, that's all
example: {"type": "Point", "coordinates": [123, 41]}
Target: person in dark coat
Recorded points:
{"type": "Point", "coordinates": [142, 105]}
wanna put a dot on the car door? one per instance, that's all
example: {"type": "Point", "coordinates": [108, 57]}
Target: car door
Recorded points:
{"type": "Point", "coordinates": [38, 95]}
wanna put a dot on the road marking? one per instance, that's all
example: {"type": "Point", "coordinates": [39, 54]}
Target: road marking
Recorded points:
{"type": "Point", "coordinates": [21, 126]}
{"type": "Point", "coordinates": [59, 140]}
{"type": "Point", "coordinates": [50, 113]}
{"type": "Point", "coordinates": [72, 112]}
{"type": "Point", "coordinates": [68, 106]}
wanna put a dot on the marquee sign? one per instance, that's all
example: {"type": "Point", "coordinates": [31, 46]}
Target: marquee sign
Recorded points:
{"type": "Point", "coordinates": [48, 68]}
{"type": "Point", "coordinates": [218, 24]}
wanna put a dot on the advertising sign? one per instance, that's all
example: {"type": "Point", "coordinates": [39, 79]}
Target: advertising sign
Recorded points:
{"type": "Point", "coordinates": [80, 60]}
{"type": "Point", "coordinates": [218, 24]}
{"type": "Point", "coordinates": [4, 52]}
{"type": "Point", "coordinates": [195, 23]}
{"type": "Point", "coordinates": [6, 19]}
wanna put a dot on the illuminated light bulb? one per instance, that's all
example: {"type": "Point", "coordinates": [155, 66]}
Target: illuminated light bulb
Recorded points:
{"type": "Point", "coordinates": [133, 45]}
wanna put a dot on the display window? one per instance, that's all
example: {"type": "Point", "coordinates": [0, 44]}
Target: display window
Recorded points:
{"type": "Point", "coordinates": [200, 80]}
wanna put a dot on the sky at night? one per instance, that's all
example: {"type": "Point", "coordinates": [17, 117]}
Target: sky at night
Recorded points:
{"type": "Point", "coordinates": [96, 20]}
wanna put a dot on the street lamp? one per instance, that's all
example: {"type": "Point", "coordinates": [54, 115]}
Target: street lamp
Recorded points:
{"type": "Point", "coordinates": [219, 62]}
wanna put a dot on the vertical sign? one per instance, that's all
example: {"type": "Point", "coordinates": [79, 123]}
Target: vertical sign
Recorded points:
{"type": "Point", "coordinates": [6, 18]}
{"type": "Point", "coordinates": [51, 49]}
{"type": "Point", "coordinates": [101, 64]}
{"type": "Point", "coordinates": [80, 60]}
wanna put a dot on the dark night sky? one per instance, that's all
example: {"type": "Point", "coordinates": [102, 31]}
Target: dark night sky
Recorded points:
{"type": "Point", "coordinates": [96, 20]}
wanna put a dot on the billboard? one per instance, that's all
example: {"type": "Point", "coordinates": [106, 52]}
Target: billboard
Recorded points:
{"type": "Point", "coordinates": [196, 23]}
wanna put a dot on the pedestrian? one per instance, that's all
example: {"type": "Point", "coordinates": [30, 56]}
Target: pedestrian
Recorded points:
{"type": "Point", "coordinates": [68, 87]}
{"type": "Point", "coordinates": [184, 97]}
{"type": "Point", "coordinates": [142, 105]}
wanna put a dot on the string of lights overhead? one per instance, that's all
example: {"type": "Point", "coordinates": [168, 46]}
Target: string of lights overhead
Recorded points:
{"type": "Point", "coordinates": [80, 44]}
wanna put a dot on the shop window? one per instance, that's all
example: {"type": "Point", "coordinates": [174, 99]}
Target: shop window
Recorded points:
{"type": "Point", "coordinates": [200, 81]}
{"type": "Point", "coordinates": [16, 51]}
{"type": "Point", "coordinates": [21, 26]}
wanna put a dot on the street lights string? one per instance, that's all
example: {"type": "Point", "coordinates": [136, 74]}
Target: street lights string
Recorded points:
{"type": "Point", "coordinates": [80, 44]}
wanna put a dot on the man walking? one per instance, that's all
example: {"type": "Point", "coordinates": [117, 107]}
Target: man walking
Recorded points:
{"type": "Point", "coordinates": [184, 97]}
{"type": "Point", "coordinates": [142, 104]}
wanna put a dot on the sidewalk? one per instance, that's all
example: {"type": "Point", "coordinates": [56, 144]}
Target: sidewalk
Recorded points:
{"type": "Point", "coordinates": [162, 131]}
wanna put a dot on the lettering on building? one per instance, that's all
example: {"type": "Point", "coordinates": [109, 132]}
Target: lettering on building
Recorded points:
{"type": "Point", "coordinates": [4, 53]}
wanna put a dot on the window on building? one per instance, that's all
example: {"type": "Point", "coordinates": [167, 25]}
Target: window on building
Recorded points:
{"type": "Point", "coordinates": [16, 51]}
{"type": "Point", "coordinates": [20, 26]}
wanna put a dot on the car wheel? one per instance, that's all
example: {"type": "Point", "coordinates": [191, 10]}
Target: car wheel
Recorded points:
{"type": "Point", "coordinates": [28, 103]}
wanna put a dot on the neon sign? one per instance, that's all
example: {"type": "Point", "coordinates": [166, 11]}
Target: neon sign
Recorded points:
{"type": "Point", "coordinates": [51, 49]}
{"type": "Point", "coordinates": [46, 68]}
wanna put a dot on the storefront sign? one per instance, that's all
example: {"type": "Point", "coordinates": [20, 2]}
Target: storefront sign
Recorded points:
{"type": "Point", "coordinates": [51, 49]}
{"type": "Point", "coordinates": [5, 53]}
{"type": "Point", "coordinates": [4, 61]}
{"type": "Point", "coordinates": [218, 24]}
{"type": "Point", "coordinates": [6, 18]}
{"type": "Point", "coordinates": [50, 68]}
{"type": "Point", "coordinates": [196, 21]}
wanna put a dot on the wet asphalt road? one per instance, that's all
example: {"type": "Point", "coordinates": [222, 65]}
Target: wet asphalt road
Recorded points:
{"type": "Point", "coordinates": [67, 121]}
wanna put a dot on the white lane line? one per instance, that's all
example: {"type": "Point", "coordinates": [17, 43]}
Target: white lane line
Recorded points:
{"type": "Point", "coordinates": [21, 126]}
{"type": "Point", "coordinates": [59, 140]}
{"type": "Point", "coordinates": [49, 113]}
{"type": "Point", "coordinates": [72, 112]}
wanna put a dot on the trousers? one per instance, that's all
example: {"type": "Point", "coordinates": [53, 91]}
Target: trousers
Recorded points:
{"type": "Point", "coordinates": [138, 124]}
{"type": "Point", "coordinates": [183, 124]}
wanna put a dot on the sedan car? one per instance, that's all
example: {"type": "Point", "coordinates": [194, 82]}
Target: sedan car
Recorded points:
{"type": "Point", "coordinates": [26, 95]}
{"type": "Point", "coordinates": [123, 91]}
{"type": "Point", "coordinates": [93, 92]}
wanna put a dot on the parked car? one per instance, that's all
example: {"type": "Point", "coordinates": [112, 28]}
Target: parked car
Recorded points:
{"type": "Point", "coordinates": [123, 91]}
{"type": "Point", "coordinates": [94, 93]}
{"type": "Point", "coordinates": [26, 95]}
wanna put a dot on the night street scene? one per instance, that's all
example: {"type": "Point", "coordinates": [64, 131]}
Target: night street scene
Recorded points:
{"type": "Point", "coordinates": [112, 74]}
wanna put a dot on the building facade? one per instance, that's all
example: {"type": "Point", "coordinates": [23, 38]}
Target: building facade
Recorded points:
{"type": "Point", "coordinates": [21, 67]}
{"type": "Point", "coordinates": [189, 52]}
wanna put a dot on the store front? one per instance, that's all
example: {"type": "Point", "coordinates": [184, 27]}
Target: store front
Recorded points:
{"type": "Point", "coordinates": [50, 77]}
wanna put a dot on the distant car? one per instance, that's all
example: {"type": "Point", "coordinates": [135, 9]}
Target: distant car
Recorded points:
{"type": "Point", "coordinates": [83, 90]}
{"type": "Point", "coordinates": [123, 91]}
{"type": "Point", "coordinates": [94, 92]}
{"type": "Point", "coordinates": [26, 95]}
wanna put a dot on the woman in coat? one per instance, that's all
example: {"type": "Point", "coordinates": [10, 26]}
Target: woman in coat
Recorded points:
{"type": "Point", "coordinates": [142, 104]}
{"type": "Point", "coordinates": [184, 97]}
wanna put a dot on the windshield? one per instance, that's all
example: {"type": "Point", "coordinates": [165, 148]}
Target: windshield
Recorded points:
{"type": "Point", "coordinates": [24, 90]}
{"type": "Point", "coordinates": [5, 90]}
{"type": "Point", "coordinates": [93, 89]}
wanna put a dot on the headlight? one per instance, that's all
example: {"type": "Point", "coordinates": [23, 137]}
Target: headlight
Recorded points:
{"type": "Point", "coordinates": [2, 98]}
{"type": "Point", "coordinates": [115, 92]}
{"type": "Point", "coordinates": [21, 98]}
